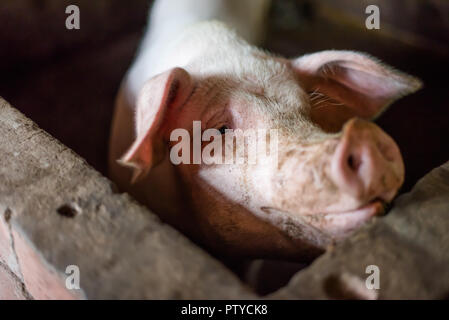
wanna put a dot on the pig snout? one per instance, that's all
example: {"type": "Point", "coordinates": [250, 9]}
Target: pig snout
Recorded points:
{"type": "Point", "coordinates": [367, 164]}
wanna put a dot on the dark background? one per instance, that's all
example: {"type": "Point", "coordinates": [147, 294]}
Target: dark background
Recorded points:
{"type": "Point", "coordinates": [66, 80]}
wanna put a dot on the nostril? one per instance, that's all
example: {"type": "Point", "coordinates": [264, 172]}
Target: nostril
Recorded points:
{"type": "Point", "coordinates": [353, 162]}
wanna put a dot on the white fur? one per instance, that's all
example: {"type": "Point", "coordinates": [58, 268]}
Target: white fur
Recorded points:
{"type": "Point", "coordinates": [175, 35]}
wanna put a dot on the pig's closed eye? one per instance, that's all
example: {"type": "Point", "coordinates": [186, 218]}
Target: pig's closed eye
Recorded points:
{"type": "Point", "coordinates": [223, 129]}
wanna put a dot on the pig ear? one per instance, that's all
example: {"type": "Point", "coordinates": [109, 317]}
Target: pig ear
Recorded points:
{"type": "Point", "coordinates": [160, 95]}
{"type": "Point", "coordinates": [345, 84]}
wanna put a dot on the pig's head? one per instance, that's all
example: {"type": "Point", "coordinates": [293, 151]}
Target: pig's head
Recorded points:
{"type": "Point", "coordinates": [333, 171]}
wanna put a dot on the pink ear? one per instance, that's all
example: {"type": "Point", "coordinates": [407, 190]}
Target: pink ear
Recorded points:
{"type": "Point", "coordinates": [162, 93]}
{"type": "Point", "coordinates": [344, 84]}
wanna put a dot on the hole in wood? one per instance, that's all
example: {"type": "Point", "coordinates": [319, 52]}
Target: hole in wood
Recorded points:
{"type": "Point", "coordinates": [68, 210]}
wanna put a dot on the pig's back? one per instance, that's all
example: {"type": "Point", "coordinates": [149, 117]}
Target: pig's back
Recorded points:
{"type": "Point", "coordinates": [196, 35]}
{"type": "Point", "coordinates": [170, 17]}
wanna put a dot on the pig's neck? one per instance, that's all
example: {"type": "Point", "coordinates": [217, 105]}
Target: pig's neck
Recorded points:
{"type": "Point", "coordinates": [169, 19]}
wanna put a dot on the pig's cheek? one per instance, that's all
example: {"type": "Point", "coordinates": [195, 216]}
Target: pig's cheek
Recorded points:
{"type": "Point", "coordinates": [225, 179]}
{"type": "Point", "coordinates": [297, 183]}
{"type": "Point", "coordinates": [259, 184]}
{"type": "Point", "coordinates": [237, 185]}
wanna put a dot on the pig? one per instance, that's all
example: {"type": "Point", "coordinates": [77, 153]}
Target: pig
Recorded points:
{"type": "Point", "coordinates": [335, 169]}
